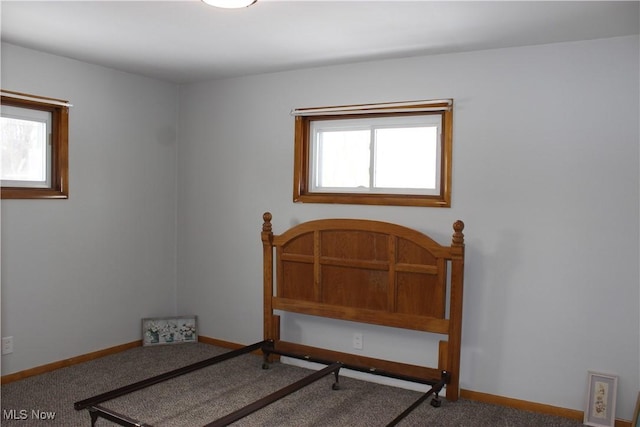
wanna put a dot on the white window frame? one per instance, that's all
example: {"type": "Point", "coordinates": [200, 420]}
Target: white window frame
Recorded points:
{"type": "Point", "coordinates": [371, 125]}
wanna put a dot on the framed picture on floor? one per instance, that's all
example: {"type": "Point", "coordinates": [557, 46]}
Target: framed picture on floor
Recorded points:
{"type": "Point", "coordinates": [169, 330]}
{"type": "Point", "coordinates": [600, 408]}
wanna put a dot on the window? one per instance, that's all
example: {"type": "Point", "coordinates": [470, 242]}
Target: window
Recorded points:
{"type": "Point", "coordinates": [34, 147]}
{"type": "Point", "coordinates": [380, 154]}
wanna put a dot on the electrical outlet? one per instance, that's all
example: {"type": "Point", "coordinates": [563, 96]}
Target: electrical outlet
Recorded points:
{"type": "Point", "coordinates": [7, 345]}
{"type": "Point", "coordinates": [357, 340]}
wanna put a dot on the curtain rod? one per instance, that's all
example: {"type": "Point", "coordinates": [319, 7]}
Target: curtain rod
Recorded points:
{"type": "Point", "coordinates": [356, 112]}
{"type": "Point", "coordinates": [391, 107]}
{"type": "Point", "coordinates": [41, 99]}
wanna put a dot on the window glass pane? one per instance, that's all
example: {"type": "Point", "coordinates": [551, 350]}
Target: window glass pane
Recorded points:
{"type": "Point", "coordinates": [342, 159]}
{"type": "Point", "coordinates": [25, 151]}
{"type": "Point", "coordinates": [406, 158]}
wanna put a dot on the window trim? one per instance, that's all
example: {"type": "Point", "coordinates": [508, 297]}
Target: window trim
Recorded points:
{"type": "Point", "coordinates": [302, 144]}
{"type": "Point", "coordinates": [59, 109]}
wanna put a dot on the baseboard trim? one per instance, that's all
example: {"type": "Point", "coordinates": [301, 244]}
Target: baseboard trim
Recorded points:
{"type": "Point", "coordinates": [465, 394]}
{"type": "Point", "coordinates": [224, 344]}
{"type": "Point", "coordinates": [530, 406]}
{"type": "Point", "coordinates": [9, 378]}
{"type": "Point", "coordinates": [521, 404]}
{"type": "Point", "coordinates": [219, 343]}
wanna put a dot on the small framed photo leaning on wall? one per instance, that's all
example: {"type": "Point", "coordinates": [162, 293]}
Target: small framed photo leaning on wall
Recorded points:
{"type": "Point", "coordinates": [169, 330]}
{"type": "Point", "coordinates": [600, 410]}
{"type": "Point", "coordinates": [636, 414]}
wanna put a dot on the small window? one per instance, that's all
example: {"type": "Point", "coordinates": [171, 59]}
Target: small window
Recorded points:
{"type": "Point", "coordinates": [34, 147]}
{"type": "Point", "coordinates": [381, 154]}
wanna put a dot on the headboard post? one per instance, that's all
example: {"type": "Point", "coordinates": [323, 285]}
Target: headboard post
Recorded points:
{"type": "Point", "coordinates": [458, 236]}
{"type": "Point", "coordinates": [267, 292]}
{"type": "Point", "coordinates": [455, 315]}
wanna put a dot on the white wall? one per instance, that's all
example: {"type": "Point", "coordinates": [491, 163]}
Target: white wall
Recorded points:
{"type": "Point", "coordinates": [545, 176]}
{"type": "Point", "coordinates": [79, 274]}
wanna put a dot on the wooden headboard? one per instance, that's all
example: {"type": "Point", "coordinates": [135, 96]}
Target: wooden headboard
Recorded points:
{"type": "Point", "coordinates": [372, 272]}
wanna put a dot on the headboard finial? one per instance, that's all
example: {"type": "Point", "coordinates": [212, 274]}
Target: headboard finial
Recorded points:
{"type": "Point", "coordinates": [458, 237]}
{"type": "Point", "coordinates": [267, 222]}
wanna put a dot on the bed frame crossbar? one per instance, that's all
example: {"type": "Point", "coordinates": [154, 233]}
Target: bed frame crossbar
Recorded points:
{"type": "Point", "coordinates": [275, 396]}
{"type": "Point", "coordinates": [268, 349]}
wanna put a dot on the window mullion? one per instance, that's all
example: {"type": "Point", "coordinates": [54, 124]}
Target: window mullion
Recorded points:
{"type": "Point", "coordinates": [372, 156]}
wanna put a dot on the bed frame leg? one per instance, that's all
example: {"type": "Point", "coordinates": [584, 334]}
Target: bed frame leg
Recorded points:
{"type": "Point", "coordinates": [266, 348]}
{"type": "Point", "coordinates": [445, 379]}
{"type": "Point", "coordinates": [94, 417]}
{"type": "Point", "coordinates": [336, 385]}
{"type": "Point", "coordinates": [435, 401]}
{"type": "Point", "coordinates": [265, 360]}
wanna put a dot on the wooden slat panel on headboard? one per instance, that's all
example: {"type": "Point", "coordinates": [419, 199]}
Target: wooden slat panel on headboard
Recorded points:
{"type": "Point", "coordinates": [364, 265]}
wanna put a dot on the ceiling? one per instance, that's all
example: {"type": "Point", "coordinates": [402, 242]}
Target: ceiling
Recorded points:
{"type": "Point", "coordinates": [188, 41]}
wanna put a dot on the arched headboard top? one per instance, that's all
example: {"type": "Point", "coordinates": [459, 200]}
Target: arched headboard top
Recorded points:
{"type": "Point", "coordinates": [366, 225]}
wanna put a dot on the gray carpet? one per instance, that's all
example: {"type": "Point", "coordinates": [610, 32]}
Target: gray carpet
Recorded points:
{"type": "Point", "coordinates": [207, 394]}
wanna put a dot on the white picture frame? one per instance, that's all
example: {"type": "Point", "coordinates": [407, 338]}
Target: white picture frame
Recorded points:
{"type": "Point", "coordinates": [636, 414]}
{"type": "Point", "coordinates": [169, 330]}
{"type": "Point", "coordinates": [600, 405]}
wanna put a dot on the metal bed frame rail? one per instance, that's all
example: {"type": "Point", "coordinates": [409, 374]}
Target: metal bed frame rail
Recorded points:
{"type": "Point", "coordinates": [96, 410]}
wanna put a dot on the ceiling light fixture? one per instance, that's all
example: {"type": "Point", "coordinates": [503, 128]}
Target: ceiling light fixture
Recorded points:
{"type": "Point", "coordinates": [230, 4]}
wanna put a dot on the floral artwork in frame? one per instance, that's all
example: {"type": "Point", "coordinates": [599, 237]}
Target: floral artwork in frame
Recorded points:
{"type": "Point", "coordinates": [600, 410]}
{"type": "Point", "coordinates": [169, 330]}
